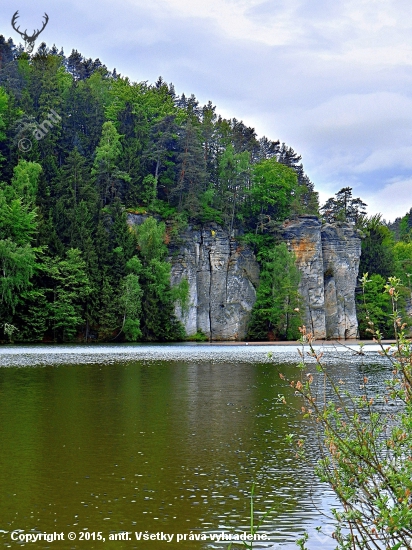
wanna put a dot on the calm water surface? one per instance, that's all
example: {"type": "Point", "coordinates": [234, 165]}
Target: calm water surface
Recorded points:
{"type": "Point", "coordinates": [107, 440]}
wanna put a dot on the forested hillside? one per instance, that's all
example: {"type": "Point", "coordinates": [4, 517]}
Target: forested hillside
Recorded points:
{"type": "Point", "coordinates": [80, 147]}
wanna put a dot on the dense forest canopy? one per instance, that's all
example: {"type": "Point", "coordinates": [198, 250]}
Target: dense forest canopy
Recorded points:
{"type": "Point", "coordinates": [81, 147]}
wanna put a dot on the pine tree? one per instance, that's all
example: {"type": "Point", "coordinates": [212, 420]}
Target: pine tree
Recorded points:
{"type": "Point", "coordinates": [76, 207]}
{"type": "Point", "coordinates": [343, 207]}
{"type": "Point", "coordinates": [191, 170]}
{"type": "Point", "coordinates": [234, 175]}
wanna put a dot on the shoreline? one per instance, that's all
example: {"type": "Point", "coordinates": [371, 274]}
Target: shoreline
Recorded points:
{"type": "Point", "coordinates": [217, 343]}
{"type": "Point", "coordinates": [196, 353]}
{"type": "Point", "coordinates": [352, 342]}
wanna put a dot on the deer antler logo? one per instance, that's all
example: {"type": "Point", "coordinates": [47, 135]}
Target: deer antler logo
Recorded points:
{"type": "Point", "coordinates": [29, 40]}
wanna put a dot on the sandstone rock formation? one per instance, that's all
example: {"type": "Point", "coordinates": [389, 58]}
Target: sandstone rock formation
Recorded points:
{"type": "Point", "coordinates": [223, 275]}
{"type": "Point", "coordinates": [303, 237]}
{"type": "Point", "coordinates": [328, 258]}
{"type": "Point", "coordinates": [341, 247]}
{"type": "Point", "coordinates": [222, 278]}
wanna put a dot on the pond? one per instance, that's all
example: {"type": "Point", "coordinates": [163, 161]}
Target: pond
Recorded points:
{"type": "Point", "coordinates": [158, 439]}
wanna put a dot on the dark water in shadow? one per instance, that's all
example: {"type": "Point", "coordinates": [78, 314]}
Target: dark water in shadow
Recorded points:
{"type": "Point", "coordinates": [157, 446]}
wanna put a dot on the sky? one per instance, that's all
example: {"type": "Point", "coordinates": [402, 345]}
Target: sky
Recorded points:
{"type": "Point", "coordinates": [332, 79]}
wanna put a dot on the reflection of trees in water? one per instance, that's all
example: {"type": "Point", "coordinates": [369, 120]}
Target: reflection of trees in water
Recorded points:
{"type": "Point", "coordinates": [140, 440]}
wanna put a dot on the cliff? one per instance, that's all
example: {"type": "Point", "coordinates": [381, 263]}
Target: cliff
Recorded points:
{"type": "Point", "coordinates": [328, 259]}
{"type": "Point", "coordinates": [222, 278]}
{"type": "Point", "coordinates": [304, 238]}
{"type": "Point", "coordinates": [223, 275]}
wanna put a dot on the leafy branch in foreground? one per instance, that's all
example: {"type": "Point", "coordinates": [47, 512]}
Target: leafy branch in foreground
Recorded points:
{"type": "Point", "coordinates": [366, 451]}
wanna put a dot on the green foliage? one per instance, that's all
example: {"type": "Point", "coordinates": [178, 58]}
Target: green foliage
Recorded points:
{"type": "Point", "coordinates": [18, 217]}
{"type": "Point", "coordinates": [130, 301]}
{"type": "Point", "coordinates": [259, 242]}
{"type": "Point", "coordinates": [233, 172]}
{"type": "Point", "coordinates": [17, 264]}
{"type": "Point", "coordinates": [149, 190]}
{"type": "Point", "coordinates": [271, 195]}
{"type": "Point", "coordinates": [69, 287]}
{"type": "Point", "coordinates": [4, 100]}
{"type": "Point", "coordinates": [9, 330]}
{"type": "Point", "coordinates": [275, 313]}
{"type": "Point", "coordinates": [24, 183]}
{"type": "Point", "coordinates": [380, 257]}
{"type": "Point", "coordinates": [377, 248]}
{"type": "Point", "coordinates": [109, 321]}
{"type": "Point", "coordinates": [119, 147]}
{"type": "Point", "coordinates": [190, 170]}
{"type": "Point", "coordinates": [18, 224]}
{"type": "Point", "coordinates": [374, 308]}
{"type": "Point", "coordinates": [159, 322]}
{"type": "Point", "coordinates": [208, 212]}
{"type": "Point", "coordinates": [180, 295]}
{"type": "Point", "coordinates": [403, 262]}
{"type": "Point", "coordinates": [3, 109]}
{"type": "Point", "coordinates": [343, 207]}
{"type": "Point", "coordinates": [109, 179]}
{"type": "Point", "coordinates": [32, 314]}
{"type": "Point", "coordinates": [164, 209]}
{"type": "Point", "coordinates": [198, 337]}
{"type": "Point", "coordinates": [405, 227]}
{"type": "Point", "coordinates": [150, 239]}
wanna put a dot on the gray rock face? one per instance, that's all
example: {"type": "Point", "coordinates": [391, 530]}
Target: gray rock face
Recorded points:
{"type": "Point", "coordinates": [223, 275]}
{"type": "Point", "coordinates": [341, 247]}
{"type": "Point", "coordinates": [328, 259]}
{"type": "Point", "coordinates": [304, 239]}
{"type": "Point", "coordinates": [222, 278]}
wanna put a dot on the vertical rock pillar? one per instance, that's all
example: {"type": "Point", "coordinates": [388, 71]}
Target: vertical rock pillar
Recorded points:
{"type": "Point", "coordinates": [222, 276]}
{"type": "Point", "coordinates": [341, 250]}
{"type": "Point", "coordinates": [303, 237]}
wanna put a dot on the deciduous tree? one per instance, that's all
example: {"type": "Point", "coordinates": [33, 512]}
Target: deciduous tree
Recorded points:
{"type": "Point", "coordinates": [275, 313]}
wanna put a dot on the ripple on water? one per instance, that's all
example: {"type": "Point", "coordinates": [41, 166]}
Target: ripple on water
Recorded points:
{"type": "Point", "coordinates": [165, 438]}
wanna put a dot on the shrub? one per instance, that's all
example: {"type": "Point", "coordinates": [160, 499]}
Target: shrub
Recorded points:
{"type": "Point", "coordinates": [366, 453]}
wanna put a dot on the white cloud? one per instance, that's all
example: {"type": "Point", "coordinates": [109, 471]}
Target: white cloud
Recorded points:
{"type": "Point", "coordinates": [391, 157]}
{"type": "Point", "coordinates": [231, 16]}
{"type": "Point", "coordinates": [393, 201]}
{"type": "Point", "coordinates": [332, 79]}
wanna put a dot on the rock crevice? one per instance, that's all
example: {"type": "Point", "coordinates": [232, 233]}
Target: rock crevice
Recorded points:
{"type": "Point", "coordinates": [222, 277]}
{"type": "Point", "coordinates": [328, 258]}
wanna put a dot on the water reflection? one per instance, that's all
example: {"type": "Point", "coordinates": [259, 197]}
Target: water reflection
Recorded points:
{"type": "Point", "coordinates": [154, 445]}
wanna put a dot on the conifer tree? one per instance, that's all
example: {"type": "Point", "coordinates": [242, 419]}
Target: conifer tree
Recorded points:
{"type": "Point", "coordinates": [158, 319]}
{"type": "Point", "coordinates": [343, 207]}
{"type": "Point", "coordinates": [191, 170]}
